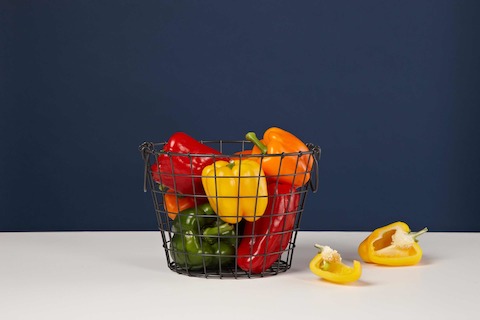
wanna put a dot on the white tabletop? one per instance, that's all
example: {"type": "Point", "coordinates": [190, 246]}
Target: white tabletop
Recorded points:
{"type": "Point", "coordinates": [124, 275]}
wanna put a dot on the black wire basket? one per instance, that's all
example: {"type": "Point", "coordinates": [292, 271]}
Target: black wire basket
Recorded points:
{"type": "Point", "coordinates": [232, 220]}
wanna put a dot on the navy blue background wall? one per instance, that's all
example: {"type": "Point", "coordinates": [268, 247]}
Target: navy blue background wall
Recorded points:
{"type": "Point", "coordinates": [388, 89]}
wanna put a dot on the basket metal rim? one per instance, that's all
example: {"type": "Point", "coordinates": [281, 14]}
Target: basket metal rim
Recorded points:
{"type": "Point", "coordinates": [157, 148]}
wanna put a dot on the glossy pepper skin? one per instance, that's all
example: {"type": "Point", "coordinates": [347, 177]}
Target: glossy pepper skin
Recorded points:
{"type": "Point", "coordinates": [327, 264]}
{"type": "Point", "coordinates": [236, 189]}
{"type": "Point", "coordinates": [290, 169]}
{"type": "Point", "coordinates": [180, 165]}
{"type": "Point", "coordinates": [266, 238]}
{"type": "Point", "coordinates": [392, 245]}
{"type": "Point", "coordinates": [200, 241]}
{"type": "Point", "coordinates": [174, 203]}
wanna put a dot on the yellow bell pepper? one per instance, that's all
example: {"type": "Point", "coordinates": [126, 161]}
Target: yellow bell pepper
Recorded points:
{"type": "Point", "coordinates": [392, 245]}
{"type": "Point", "coordinates": [327, 264]}
{"type": "Point", "coordinates": [236, 189]}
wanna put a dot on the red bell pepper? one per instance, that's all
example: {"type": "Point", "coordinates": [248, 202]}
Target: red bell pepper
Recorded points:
{"type": "Point", "coordinates": [265, 239]}
{"type": "Point", "coordinates": [179, 166]}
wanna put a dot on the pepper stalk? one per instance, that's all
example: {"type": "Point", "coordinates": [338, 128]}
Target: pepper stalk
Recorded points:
{"type": "Point", "coordinates": [251, 136]}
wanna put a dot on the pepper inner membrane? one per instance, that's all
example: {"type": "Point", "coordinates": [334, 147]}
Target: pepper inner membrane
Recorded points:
{"type": "Point", "coordinates": [385, 240]}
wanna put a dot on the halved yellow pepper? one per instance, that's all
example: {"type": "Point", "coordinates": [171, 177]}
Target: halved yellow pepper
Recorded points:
{"type": "Point", "coordinates": [392, 245]}
{"type": "Point", "coordinates": [236, 189]}
{"type": "Point", "coordinates": [327, 264]}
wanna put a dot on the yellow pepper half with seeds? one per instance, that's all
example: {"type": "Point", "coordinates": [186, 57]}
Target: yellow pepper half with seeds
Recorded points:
{"type": "Point", "coordinates": [392, 245]}
{"type": "Point", "coordinates": [236, 189]}
{"type": "Point", "coordinates": [327, 264]}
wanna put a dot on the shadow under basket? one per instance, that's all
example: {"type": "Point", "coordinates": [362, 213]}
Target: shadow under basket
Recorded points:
{"type": "Point", "coordinates": [231, 214]}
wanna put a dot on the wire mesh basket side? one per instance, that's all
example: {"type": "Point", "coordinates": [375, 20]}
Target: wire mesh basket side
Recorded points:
{"type": "Point", "coordinates": [198, 239]}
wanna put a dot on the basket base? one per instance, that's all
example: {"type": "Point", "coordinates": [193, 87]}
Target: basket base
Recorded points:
{"type": "Point", "coordinates": [232, 272]}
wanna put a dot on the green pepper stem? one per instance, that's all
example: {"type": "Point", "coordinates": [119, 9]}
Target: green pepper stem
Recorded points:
{"type": "Point", "coordinates": [218, 230]}
{"type": "Point", "coordinates": [251, 136]}
{"type": "Point", "coordinates": [325, 265]}
{"type": "Point", "coordinates": [414, 235]}
{"type": "Point", "coordinates": [212, 234]}
{"type": "Point", "coordinates": [231, 164]}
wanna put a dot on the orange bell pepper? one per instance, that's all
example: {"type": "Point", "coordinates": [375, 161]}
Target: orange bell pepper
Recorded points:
{"type": "Point", "coordinates": [243, 154]}
{"type": "Point", "coordinates": [174, 203]}
{"type": "Point", "coordinates": [285, 161]}
{"type": "Point", "coordinates": [392, 245]}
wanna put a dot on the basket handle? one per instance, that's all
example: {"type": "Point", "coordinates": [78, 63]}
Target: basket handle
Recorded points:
{"type": "Point", "coordinates": [146, 149]}
{"type": "Point", "coordinates": [316, 152]}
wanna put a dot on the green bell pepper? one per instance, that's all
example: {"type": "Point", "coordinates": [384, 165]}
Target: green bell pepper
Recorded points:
{"type": "Point", "coordinates": [201, 239]}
